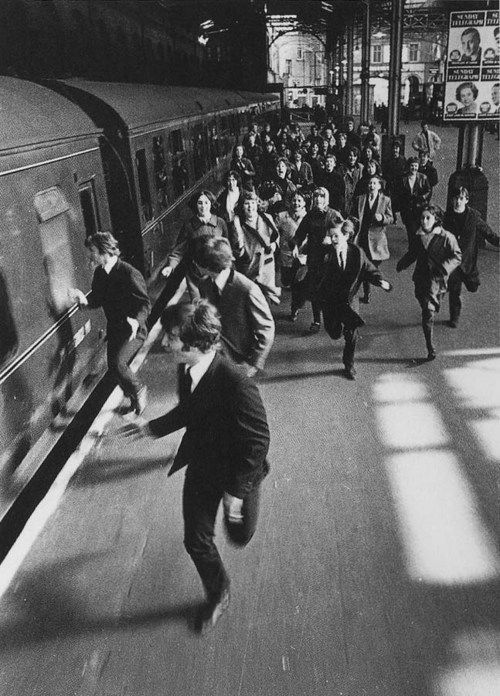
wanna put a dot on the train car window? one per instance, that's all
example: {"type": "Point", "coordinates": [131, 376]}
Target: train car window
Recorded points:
{"type": "Point", "coordinates": [161, 174]}
{"type": "Point", "coordinates": [90, 211]}
{"type": "Point", "coordinates": [198, 153]}
{"type": "Point", "coordinates": [142, 174]}
{"type": "Point", "coordinates": [54, 226]}
{"type": "Point", "coordinates": [176, 142]}
{"type": "Point", "coordinates": [8, 334]}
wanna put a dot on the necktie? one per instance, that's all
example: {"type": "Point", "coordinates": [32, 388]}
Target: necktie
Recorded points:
{"type": "Point", "coordinates": [185, 384]}
{"type": "Point", "coordinates": [341, 260]}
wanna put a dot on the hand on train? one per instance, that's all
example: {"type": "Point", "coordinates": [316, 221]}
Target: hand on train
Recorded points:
{"type": "Point", "coordinates": [166, 271]}
{"type": "Point", "coordinates": [78, 297]}
{"type": "Point", "coordinates": [233, 508]}
{"type": "Point", "coordinates": [134, 325]}
{"type": "Point", "coordinates": [385, 285]}
{"type": "Point", "coordinates": [132, 431]}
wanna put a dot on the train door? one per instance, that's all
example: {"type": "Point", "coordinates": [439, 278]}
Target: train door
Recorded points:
{"type": "Point", "coordinates": [90, 210]}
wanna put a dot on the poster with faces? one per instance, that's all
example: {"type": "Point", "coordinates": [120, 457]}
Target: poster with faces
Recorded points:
{"type": "Point", "coordinates": [472, 82]}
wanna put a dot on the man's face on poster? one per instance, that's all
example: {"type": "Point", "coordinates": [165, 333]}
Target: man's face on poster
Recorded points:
{"type": "Point", "coordinates": [470, 43]}
{"type": "Point", "coordinates": [495, 94]}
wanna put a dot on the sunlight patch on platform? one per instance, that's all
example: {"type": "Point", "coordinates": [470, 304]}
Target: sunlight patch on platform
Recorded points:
{"type": "Point", "coordinates": [411, 426]}
{"type": "Point", "coordinates": [444, 539]}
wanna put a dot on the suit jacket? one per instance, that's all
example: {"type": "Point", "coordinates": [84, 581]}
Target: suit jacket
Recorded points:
{"type": "Point", "coordinates": [121, 293]}
{"type": "Point", "coordinates": [338, 288]}
{"type": "Point", "coordinates": [377, 240]}
{"type": "Point", "coordinates": [412, 201]}
{"type": "Point", "coordinates": [247, 322]}
{"type": "Point", "coordinates": [227, 435]}
{"type": "Point", "coordinates": [420, 143]}
{"type": "Point", "coordinates": [434, 263]}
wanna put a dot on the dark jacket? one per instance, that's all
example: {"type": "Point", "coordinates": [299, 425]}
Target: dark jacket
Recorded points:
{"type": "Point", "coordinates": [335, 185]}
{"type": "Point", "coordinates": [474, 230]}
{"type": "Point", "coordinates": [121, 293]}
{"type": "Point", "coordinates": [337, 289]}
{"type": "Point", "coordinates": [192, 234]}
{"type": "Point", "coordinates": [227, 436]}
{"type": "Point", "coordinates": [410, 201]}
{"type": "Point", "coordinates": [314, 226]}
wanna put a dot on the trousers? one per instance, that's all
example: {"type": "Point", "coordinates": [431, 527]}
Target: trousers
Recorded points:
{"type": "Point", "coordinates": [120, 352]}
{"type": "Point", "coordinates": [200, 503]}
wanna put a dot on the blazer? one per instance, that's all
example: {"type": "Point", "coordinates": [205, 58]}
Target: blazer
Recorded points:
{"type": "Point", "coordinates": [337, 288]}
{"type": "Point", "coordinates": [247, 322]}
{"type": "Point", "coordinates": [474, 230]}
{"type": "Point", "coordinates": [377, 240]}
{"type": "Point", "coordinates": [435, 263]}
{"type": "Point", "coordinates": [121, 293]}
{"type": "Point", "coordinates": [227, 435]}
{"type": "Point", "coordinates": [411, 201]}
{"type": "Point", "coordinates": [313, 227]}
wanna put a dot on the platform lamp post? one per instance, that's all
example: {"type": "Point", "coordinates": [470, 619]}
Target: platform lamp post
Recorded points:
{"type": "Point", "coordinates": [365, 63]}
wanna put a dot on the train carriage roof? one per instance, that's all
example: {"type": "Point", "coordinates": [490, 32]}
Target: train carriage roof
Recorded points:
{"type": "Point", "coordinates": [141, 105]}
{"type": "Point", "coordinates": [32, 114]}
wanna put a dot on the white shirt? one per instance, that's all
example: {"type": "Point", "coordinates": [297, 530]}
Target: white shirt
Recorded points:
{"type": "Point", "coordinates": [342, 255]}
{"type": "Point", "coordinates": [222, 279]}
{"type": "Point", "coordinates": [231, 200]}
{"type": "Point", "coordinates": [110, 264]}
{"type": "Point", "coordinates": [197, 371]}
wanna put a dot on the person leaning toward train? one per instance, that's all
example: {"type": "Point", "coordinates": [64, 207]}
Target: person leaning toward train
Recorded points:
{"type": "Point", "coordinates": [374, 212]}
{"type": "Point", "coordinates": [313, 228]}
{"type": "Point", "coordinates": [339, 279]}
{"type": "Point", "coordinates": [224, 448]}
{"type": "Point", "coordinates": [437, 254]}
{"type": "Point", "coordinates": [205, 223]}
{"type": "Point", "coordinates": [247, 323]}
{"type": "Point", "coordinates": [470, 230]}
{"type": "Point", "coordinates": [256, 239]}
{"type": "Point", "coordinates": [120, 290]}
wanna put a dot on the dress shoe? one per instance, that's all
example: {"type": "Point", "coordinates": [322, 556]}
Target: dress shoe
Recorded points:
{"type": "Point", "coordinates": [350, 373]}
{"type": "Point", "coordinates": [211, 612]}
{"type": "Point", "coordinates": [431, 355]}
{"type": "Point", "coordinates": [140, 401]}
{"type": "Point", "coordinates": [315, 327]}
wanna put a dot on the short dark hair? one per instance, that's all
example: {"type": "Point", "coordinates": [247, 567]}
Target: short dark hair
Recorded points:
{"type": "Point", "coordinates": [104, 242]}
{"type": "Point", "coordinates": [353, 150]}
{"type": "Point", "coordinates": [198, 323]}
{"type": "Point", "coordinates": [412, 160]}
{"type": "Point", "coordinates": [214, 254]}
{"type": "Point", "coordinates": [457, 191]}
{"type": "Point", "coordinates": [236, 175]}
{"type": "Point", "coordinates": [473, 31]}
{"type": "Point", "coordinates": [434, 210]}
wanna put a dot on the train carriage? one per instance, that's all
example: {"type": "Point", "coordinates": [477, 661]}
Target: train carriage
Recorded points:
{"type": "Point", "coordinates": [52, 194]}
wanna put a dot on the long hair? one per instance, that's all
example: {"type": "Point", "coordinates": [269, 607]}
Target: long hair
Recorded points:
{"type": "Point", "coordinates": [104, 242]}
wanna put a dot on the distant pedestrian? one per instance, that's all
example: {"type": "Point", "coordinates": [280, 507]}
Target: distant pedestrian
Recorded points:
{"type": "Point", "coordinates": [427, 140]}
{"type": "Point", "coordinates": [224, 447]}
{"type": "Point", "coordinates": [470, 231]}
{"type": "Point", "coordinates": [437, 254]}
{"type": "Point", "coordinates": [346, 267]}
{"type": "Point", "coordinates": [393, 170]}
{"type": "Point", "coordinates": [120, 290]}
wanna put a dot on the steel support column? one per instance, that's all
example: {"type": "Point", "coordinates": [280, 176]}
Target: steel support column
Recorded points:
{"type": "Point", "coordinates": [350, 69]}
{"type": "Point", "coordinates": [365, 63]}
{"type": "Point", "coordinates": [395, 67]}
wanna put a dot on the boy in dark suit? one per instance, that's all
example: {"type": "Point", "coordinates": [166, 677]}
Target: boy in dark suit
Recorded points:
{"type": "Point", "coordinates": [224, 447]}
{"type": "Point", "coordinates": [346, 267]}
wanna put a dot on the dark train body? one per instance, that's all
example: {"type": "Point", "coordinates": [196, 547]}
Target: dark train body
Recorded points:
{"type": "Point", "coordinates": [77, 157]}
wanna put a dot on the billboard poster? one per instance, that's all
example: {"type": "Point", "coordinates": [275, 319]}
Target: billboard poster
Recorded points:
{"type": "Point", "coordinates": [472, 79]}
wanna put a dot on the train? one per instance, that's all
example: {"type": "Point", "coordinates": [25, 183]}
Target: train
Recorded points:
{"type": "Point", "coordinates": [77, 157]}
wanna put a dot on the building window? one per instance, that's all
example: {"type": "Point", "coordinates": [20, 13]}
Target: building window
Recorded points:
{"type": "Point", "coordinates": [413, 53]}
{"type": "Point", "coordinates": [288, 67]}
{"type": "Point", "coordinates": [300, 55]}
{"type": "Point", "coordinates": [377, 53]}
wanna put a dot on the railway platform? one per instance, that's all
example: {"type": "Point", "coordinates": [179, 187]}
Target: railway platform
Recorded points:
{"type": "Point", "coordinates": [375, 567]}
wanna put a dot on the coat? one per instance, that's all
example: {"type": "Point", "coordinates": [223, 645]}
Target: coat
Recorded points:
{"type": "Point", "coordinates": [420, 143]}
{"type": "Point", "coordinates": [227, 435]}
{"type": "Point", "coordinates": [433, 265]}
{"type": "Point", "coordinates": [337, 289]}
{"type": "Point", "coordinates": [410, 201]}
{"type": "Point", "coordinates": [247, 322]}
{"type": "Point", "coordinates": [377, 240]}
{"type": "Point", "coordinates": [255, 253]}
{"type": "Point", "coordinates": [474, 230]}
